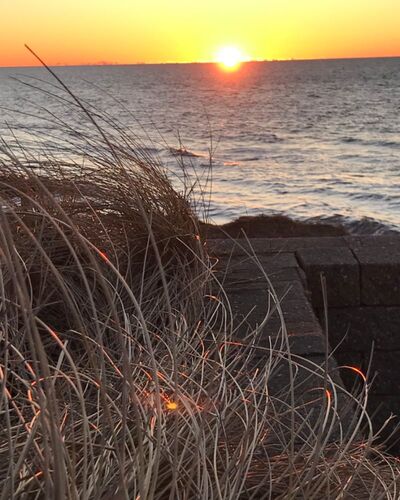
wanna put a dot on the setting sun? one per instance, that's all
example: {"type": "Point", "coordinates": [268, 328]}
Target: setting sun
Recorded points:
{"type": "Point", "coordinates": [229, 58]}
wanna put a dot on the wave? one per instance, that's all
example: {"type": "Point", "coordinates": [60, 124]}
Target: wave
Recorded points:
{"type": "Point", "coordinates": [364, 196]}
{"type": "Point", "coordinates": [366, 142]}
{"type": "Point", "coordinates": [363, 226]}
{"type": "Point", "coordinates": [251, 158]}
{"type": "Point", "coordinates": [267, 138]}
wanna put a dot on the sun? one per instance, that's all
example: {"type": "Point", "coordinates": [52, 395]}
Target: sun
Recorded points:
{"type": "Point", "coordinates": [229, 58]}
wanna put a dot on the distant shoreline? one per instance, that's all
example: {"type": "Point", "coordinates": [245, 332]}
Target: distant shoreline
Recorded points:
{"type": "Point", "coordinates": [269, 61]}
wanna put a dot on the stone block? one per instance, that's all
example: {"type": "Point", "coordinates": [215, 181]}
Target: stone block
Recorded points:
{"type": "Point", "coordinates": [365, 327]}
{"type": "Point", "coordinates": [253, 308]}
{"type": "Point", "coordinates": [386, 372]}
{"type": "Point", "coordinates": [261, 246]}
{"type": "Point", "coordinates": [250, 310]}
{"type": "Point", "coordinates": [383, 376]}
{"type": "Point", "coordinates": [296, 311]}
{"type": "Point", "coordinates": [310, 375]}
{"type": "Point", "coordinates": [236, 247]}
{"type": "Point", "coordinates": [304, 339]}
{"type": "Point", "coordinates": [377, 241]}
{"type": "Point", "coordinates": [305, 384]}
{"type": "Point", "coordinates": [283, 276]}
{"type": "Point", "coordinates": [240, 273]}
{"type": "Point", "coordinates": [379, 274]}
{"type": "Point", "coordinates": [249, 264]}
{"type": "Point", "coordinates": [290, 290]}
{"type": "Point", "coordinates": [293, 244]}
{"type": "Point", "coordinates": [341, 271]}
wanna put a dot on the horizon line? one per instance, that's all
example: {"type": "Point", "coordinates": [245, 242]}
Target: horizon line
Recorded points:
{"type": "Point", "coordinates": [142, 63]}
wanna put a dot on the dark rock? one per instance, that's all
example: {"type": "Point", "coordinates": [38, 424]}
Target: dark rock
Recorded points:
{"type": "Point", "coordinates": [270, 226]}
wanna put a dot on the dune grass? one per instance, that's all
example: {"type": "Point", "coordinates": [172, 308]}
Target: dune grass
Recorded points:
{"type": "Point", "coordinates": [120, 371]}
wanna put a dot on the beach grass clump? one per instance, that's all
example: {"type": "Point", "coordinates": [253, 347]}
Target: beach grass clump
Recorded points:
{"type": "Point", "coordinates": [121, 374]}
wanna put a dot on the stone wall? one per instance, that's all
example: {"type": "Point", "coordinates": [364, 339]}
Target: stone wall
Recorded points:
{"type": "Point", "coordinates": [362, 276]}
{"type": "Point", "coordinates": [363, 298]}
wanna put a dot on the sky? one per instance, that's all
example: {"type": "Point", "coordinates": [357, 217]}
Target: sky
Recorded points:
{"type": "Point", "coordinates": [156, 31]}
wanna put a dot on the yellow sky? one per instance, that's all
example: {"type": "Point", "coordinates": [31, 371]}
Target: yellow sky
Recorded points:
{"type": "Point", "coordinates": [129, 31]}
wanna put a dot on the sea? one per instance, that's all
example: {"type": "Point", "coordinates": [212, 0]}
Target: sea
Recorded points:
{"type": "Point", "coordinates": [314, 140]}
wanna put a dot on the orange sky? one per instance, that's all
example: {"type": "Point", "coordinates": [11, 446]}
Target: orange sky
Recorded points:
{"type": "Point", "coordinates": [128, 31]}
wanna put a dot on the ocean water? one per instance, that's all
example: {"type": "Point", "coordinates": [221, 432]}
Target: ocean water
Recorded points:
{"type": "Point", "coordinates": [309, 139]}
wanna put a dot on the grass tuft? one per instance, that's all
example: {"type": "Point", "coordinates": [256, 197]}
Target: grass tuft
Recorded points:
{"type": "Point", "coordinates": [121, 376]}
